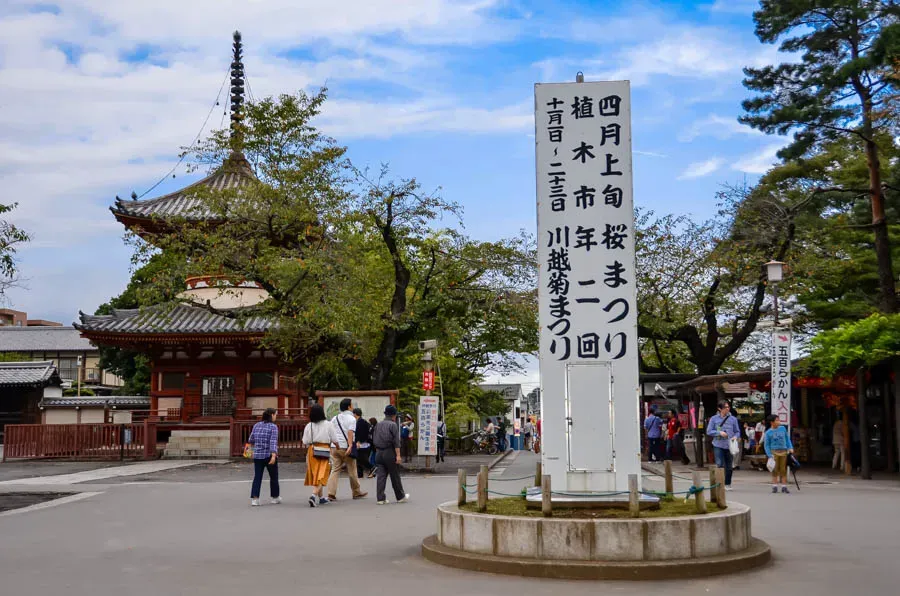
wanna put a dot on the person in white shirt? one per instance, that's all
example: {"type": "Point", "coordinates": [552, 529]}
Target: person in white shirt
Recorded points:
{"type": "Point", "coordinates": [345, 427]}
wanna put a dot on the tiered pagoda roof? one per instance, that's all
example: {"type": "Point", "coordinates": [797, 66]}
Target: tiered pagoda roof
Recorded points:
{"type": "Point", "coordinates": [186, 203]}
{"type": "Point", "coordinates": [172, 324]}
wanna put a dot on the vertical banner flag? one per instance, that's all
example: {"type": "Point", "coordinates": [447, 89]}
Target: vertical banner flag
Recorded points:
{"type": "Point", "coordinates": [427, 380]}
{"type": "Point", "coordinates": [781, 376]}
{"type": "Point", "coordinates": [587, 278]}
{"type": "Point", "coordinates": [428, 419]}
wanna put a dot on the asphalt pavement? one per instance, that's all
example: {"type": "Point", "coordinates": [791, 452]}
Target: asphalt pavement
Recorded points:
{"type": "Point", "coordinates": [202, 538]}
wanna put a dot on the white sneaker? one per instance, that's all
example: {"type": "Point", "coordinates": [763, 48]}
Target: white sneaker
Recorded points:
{"type": "Point", "coordinates": [385, 502]}
{"type": "Point", "coordinates": [276, 501]}
{"type": "Point", "coordinates": [728, 488]}
{"type": "Point", "coordinates": [405, 499]}
{"type": "Point", "coordinates": [254, 502]}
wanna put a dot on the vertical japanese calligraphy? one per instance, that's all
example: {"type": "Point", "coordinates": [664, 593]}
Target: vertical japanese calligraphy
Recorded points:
{"type": "Point", "coordinates": [588, 311]}
{"type": "Point", "coordinates": [781, 376]}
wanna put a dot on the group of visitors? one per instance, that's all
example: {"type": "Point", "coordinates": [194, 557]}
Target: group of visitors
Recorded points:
{"type": "Point", "coordinates": [664, 439]}
{"type": "Point", "coordinates": [726, 433]}
{"type": "Point", "coordinates": [348, 441]}
{"type": "Point", "coordinates": [665, 436]}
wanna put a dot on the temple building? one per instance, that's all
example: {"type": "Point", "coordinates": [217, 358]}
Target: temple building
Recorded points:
{"type": "Point", "coordinates": [207, 367]}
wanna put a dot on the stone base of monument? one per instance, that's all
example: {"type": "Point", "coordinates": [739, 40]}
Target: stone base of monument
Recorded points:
{"type": "Point", "coordinates": [574, 500]}
{"type": "Point", "coordinates": [583, 548]}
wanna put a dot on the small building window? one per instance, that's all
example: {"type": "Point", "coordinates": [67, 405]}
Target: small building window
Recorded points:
{"type": "Point", "coordinates": [262, 380]}
{"type": "Point", "coordinates": [172, 381]}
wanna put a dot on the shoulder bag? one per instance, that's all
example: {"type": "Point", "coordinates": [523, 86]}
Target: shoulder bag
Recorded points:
{"type": "Point", "coordinates": [340, 426]}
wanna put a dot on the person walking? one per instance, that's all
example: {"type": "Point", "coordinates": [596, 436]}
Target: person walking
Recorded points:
{"type": "Point", "coordinates": [723, 427]}
{"type": "Point", "coordinates": [406, 435]}
{"type": "Point", "coordinates": [363, 443]}
{"type": "Point", "coordinates": [264, 438]}
{"type": "Point", "coordinates": [673, 428]}
{"type": "Point", "coordinates": [529, 433]}
{"type": "Point", "coordinates": [837, 441]}
{"type": "Point", "coordinates": [372, 423]}
{"type": "Point", "coordinates": [653, 425]}
{"type": "Point", "coordinates": [386, 439]}
{"type": "Point", "coordinates": [318, 436]}
{"type": "Point", "coordinates": [441, 439]}
{"type": "Point", "coordinates": [760, 432]}
{"type": "Point", "coordinates": [501, 434]}
{"type": "Point", "coordinates": [778, 447]}
{"type": "Point", "coordinates": [342, 455]}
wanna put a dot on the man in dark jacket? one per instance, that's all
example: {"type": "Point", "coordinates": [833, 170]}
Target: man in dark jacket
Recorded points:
{"type": "Point", "coordinates": [386, 440]}
{"type": "Point", "coordinates": [362, 436]}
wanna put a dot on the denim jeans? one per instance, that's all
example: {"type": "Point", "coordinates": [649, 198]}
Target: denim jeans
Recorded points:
{"type": "Point", "coordinates": [653, 451]}
{"type": "Point", "coordinates": [259, 466]}
{"type": "Point", "coordinates": [724, 460]}
{"type": "Point", "coordinates": [670, 448]}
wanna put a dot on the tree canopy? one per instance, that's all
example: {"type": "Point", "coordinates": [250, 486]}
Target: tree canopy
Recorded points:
{"type": "Point", "coordinates": [358, 265]}
{"type": "Point", "coordinates": [841, 89]}
{"type": "Point", "coordinates": [11, 237]}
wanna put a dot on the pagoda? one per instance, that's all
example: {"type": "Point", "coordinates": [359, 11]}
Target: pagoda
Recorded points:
{"type": "Point", "coordinates": [208, 365]}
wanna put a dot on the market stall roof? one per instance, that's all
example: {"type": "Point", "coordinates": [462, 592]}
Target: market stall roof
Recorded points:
{"type": "Point", "coordinates": [708, 383]}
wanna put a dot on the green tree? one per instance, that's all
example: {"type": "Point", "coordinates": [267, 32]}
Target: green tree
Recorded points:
{"type": "Point", "coordinates": [13, 357]}
{"type": "Point", "coordinates": [839, 90]}
{"type": "Point", "coordinates": [357, 266]}
{"type": "Point", "coordinates": [10, 239]}
{"type": "Point", "coordinates": [862, 343]}
{"type": "Point", "coordinates": [133, 367]}
{"type": "Point", "coordinates": [701, 286]}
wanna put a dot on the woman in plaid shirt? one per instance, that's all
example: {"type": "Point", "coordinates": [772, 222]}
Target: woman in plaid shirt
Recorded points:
{"type": "Point", "coordinates": [264, 438]}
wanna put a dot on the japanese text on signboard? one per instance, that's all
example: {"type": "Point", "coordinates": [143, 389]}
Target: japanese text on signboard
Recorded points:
{"type": "Point", "coordinates": [586, 222]}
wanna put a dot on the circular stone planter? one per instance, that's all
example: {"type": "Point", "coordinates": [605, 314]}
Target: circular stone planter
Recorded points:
{"type": "Point", "coordinates": [649, 548]}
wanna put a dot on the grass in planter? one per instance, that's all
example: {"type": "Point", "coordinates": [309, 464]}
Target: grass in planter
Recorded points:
{"type": "Point", "coordinates": [515, 506]}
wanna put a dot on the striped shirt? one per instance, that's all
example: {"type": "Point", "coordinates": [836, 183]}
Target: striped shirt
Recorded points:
{"type": "Point", "coordinates": [264, 438]}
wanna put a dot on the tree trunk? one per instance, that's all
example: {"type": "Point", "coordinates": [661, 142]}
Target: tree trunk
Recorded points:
{"type": "Point", "coordinates": [888, 299]}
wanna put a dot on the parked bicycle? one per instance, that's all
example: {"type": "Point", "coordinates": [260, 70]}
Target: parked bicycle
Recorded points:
{"type": "Point", "coordinates": [483, 442]}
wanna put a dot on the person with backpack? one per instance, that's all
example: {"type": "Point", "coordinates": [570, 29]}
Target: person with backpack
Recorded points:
{"type": "Point", "coordinates": [724, 428]}
{"type": "Point", "coordinates": [343, 454]}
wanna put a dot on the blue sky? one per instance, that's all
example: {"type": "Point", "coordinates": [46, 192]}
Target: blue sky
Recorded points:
{"type": "Point", "coordinates": [98, 95]}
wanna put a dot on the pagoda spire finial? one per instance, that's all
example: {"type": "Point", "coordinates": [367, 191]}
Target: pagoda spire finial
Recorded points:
{"type": "Point", "coordinates": [237, 89]}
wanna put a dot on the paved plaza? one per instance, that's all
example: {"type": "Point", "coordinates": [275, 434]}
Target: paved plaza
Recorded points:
{"type": "Point", "coordinates": [201, 537]}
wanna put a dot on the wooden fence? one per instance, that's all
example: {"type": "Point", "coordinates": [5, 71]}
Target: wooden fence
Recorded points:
{"type": "Point", "coordinates": [78, 441]}
{"type": "Point", "coordinates": [125, 441]}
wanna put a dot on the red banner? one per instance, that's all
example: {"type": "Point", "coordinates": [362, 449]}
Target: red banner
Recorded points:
{"type": "Point", "coordinates": [428, 380]}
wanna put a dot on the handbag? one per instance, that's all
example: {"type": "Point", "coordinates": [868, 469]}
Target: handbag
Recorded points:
{"type": "Point", "coordinates": [353, 452]}
{"type": "Point", "coordinates": [321, 452]}
{"type": "Point", "coordinates": [248, 450]}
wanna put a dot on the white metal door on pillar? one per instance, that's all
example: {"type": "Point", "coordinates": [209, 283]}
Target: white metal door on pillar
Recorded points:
{"type": "Point", "coordinates": [590, 418]}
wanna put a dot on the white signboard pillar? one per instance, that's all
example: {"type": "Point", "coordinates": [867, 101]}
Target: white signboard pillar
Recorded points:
{"type": "Point", "coordinates": [588, 309]}
{"type": "Point", "coordinates": [781, 376]}
{"type": "Point", "coordinates": [428, 419]}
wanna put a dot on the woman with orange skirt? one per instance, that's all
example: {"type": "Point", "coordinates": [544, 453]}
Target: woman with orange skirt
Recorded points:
{"type": "Point", "coordinates": [317, 438]}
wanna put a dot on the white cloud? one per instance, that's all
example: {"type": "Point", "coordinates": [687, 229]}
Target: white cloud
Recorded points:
{"type": "Point", "coordinates": [758, 162]}
{"type": "Point", "coordinates": [699, 169]}
{"type": "Point", "coordinates": [716, 126]}
{"type": "Point", "coordinates": [689, 52]}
